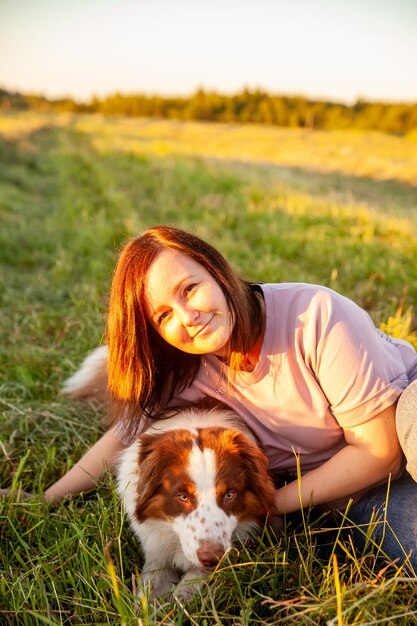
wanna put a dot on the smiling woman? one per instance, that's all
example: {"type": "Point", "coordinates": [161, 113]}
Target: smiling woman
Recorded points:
{"type": "Point", "coordinates": [176, 297]}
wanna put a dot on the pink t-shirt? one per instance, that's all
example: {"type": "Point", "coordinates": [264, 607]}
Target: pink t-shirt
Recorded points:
{"type": "Point", "coordinates": [323, 367]}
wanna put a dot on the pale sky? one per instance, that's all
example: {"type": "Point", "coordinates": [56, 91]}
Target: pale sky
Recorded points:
{"type": "Point", "coordinates": [335, 49]}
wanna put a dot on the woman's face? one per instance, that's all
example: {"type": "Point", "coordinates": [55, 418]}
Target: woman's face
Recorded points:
{"type": "Point", "coordinates": [186, 306]}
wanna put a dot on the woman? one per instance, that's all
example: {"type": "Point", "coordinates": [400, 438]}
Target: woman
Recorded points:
{"type": "Point", "coordinates": [304, 367]}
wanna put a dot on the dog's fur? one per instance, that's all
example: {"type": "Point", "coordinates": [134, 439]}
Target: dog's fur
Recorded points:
{"type": "Point", "coordinates": [90, 380]}
{"type": "Point", "coordinates": [191, 484]}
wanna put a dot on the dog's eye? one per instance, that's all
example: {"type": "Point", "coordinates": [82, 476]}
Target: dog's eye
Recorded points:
{"type": "Point", "coordinates": [229, 495]}
{"type": "Point", "coordinates": [182, 497]}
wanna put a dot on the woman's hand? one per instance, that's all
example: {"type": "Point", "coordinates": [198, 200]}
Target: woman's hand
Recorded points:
{"type": "Point", "coordinates": [16, 493]}
{"type": "Point", "coordinates": [373, 454]}
{"type": "Point", "coordinates": [85, 473]}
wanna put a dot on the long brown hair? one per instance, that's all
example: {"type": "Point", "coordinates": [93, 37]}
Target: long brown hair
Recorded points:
{"type": "Point", "coordinates": [145, 372]}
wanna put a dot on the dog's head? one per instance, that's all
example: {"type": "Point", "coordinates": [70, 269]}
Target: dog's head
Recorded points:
{"type": "Point", "coordinates": [205, 483]}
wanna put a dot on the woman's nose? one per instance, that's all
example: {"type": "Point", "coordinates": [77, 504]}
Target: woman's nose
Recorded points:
{"type": "Point", "coordinates": [188, 315]}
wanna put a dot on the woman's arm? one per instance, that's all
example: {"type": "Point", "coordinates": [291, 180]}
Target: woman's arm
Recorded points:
{"type": "Point", "coordinates": [89, 469]}
{"type": "Point", "coordinates": [372, 454]}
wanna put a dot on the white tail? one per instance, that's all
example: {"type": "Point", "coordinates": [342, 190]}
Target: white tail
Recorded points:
{"type": "Point", "coordinates": [90, 381]}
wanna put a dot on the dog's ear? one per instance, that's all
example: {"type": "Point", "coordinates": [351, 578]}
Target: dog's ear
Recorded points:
{"type": "Point", "coordinates": [158, 454]}
{"type": "Point", "coordinates": [260, 481]}
{"type": "Point", "coordinates": [149, 473]}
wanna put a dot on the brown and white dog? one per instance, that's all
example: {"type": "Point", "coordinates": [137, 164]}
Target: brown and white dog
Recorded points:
{"type": "Point", "coordinates": [191, 484]}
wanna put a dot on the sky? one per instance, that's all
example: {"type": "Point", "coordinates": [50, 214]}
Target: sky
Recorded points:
{"type": "Point", "coordinates": [333, 49]}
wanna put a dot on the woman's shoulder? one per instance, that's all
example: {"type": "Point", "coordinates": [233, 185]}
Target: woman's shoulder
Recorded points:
{"type": "Point", "coordinates": [301, 294]}
{"type": "Point", "coordinates": [313, 305]}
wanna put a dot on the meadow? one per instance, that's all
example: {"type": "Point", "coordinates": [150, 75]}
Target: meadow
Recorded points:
{"type": "Point", "coordinates": [335, 208]}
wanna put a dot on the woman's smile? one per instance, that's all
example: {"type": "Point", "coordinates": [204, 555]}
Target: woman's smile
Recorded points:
{"type": "Point", "coordinates": [203, 329]}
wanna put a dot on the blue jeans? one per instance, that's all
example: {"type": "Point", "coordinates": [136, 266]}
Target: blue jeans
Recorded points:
{"type": "Point", "coordinates": [393, 528]}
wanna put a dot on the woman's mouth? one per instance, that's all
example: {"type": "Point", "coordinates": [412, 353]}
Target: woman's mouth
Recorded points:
{"type": "Point", "coordinates": [202, 329]}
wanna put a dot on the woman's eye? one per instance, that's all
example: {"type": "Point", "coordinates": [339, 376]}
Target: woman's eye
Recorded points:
{"type": "Point", "coordinates": [163, 316]}
{"type": "Point", "coordinates": [229, 495]}
{"type": "Point", "coordinates": [189, 288]}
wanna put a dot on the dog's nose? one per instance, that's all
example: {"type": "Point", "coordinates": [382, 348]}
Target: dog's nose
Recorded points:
{"type": "Point", "coordinates": [209, 554]}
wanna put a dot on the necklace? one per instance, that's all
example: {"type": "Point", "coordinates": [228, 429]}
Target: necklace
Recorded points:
{"type": "Point", "coordinates": [218, 388]}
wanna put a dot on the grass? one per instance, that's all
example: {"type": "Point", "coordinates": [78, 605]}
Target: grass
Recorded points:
{"type": "Point", "coordinates": [72, 189]}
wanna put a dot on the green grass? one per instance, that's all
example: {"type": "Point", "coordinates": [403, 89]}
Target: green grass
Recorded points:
{"type": "Point", "coordinates": [72, 189]}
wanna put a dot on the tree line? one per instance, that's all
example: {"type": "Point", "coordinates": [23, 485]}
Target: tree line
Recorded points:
{"type": "Point", "coordinates": [256, 106]}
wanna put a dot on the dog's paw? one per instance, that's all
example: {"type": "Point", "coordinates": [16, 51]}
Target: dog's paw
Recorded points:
{"type": "Point", "coordinates": [189, 586]}
{"type": "Point", "coordinates": [159, 583]}
{"type": "Point", "coordinates": [186, 593]}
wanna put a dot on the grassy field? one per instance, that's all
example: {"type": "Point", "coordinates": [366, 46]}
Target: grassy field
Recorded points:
{"type": "Point", "coordinates": [283, 205]}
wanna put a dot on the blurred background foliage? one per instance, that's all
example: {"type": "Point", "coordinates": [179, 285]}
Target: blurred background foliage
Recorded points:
{"type": "Point", "coordinates": [248, 106]}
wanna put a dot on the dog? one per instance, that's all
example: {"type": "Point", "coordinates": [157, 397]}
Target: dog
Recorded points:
{"type": "Point", "coordinates": [192, 484]}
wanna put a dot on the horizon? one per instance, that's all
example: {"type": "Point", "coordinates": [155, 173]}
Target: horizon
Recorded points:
{"type": "Point", "coordinates": [329, 50]}
{"type": "Point", "coordinates": [272, 94]}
